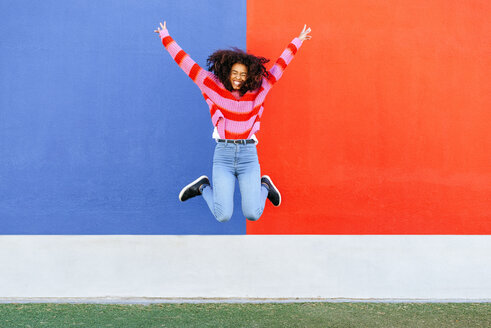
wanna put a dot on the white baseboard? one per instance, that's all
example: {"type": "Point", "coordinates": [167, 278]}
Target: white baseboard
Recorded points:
{"type": "Point", "coordinates": [323, 267]}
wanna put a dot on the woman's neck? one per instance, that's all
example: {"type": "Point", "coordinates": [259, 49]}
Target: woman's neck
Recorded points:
{"type": "Point", "coordinates": [236, 94]}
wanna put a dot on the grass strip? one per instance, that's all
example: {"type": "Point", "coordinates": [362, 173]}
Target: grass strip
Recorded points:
{"type": "Point", "coordinates": [365, 315]}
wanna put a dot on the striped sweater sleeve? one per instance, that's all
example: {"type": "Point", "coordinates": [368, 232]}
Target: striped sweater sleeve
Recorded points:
{"type": "Point", "coordinates": [286, 57]}
{"type": "Point", "coordinates": [188, 65]}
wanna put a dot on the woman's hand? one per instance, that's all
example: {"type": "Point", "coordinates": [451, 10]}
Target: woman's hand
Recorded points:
{"type": "Point", "coordinates": [158, 28]}
{"type": "Point", "coordinates": [304, 35]}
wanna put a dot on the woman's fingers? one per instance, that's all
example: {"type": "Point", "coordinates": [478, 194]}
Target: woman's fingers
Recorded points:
{"type": "Point", "coordinates": [304, 35]}
{"type": "Point", "coordinates": [305, 30]}
{"type": "Point", "coordinates": [159, 28]}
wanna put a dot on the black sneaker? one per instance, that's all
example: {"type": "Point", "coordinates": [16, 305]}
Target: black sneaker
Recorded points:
{"type": "Point", "coordinates": [274, 195]}
{"type": "Point", "coordinates": [192, 189]}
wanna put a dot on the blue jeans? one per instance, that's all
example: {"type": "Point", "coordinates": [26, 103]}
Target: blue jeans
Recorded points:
{"type": "Point", "coordinates": [232, 161]}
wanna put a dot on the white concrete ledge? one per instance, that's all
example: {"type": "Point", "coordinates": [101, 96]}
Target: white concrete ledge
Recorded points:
{"type": "Point", "coordinates": [323, 267]}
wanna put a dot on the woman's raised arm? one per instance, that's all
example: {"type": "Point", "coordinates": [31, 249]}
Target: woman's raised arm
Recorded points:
{"type": "Point", "coordinates": [286, 57]}
{"type": "Point", "coordinates": [186, 63]}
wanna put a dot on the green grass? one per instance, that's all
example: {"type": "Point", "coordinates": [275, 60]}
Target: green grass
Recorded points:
{"type": "Point", "coordinates": [468, 315]}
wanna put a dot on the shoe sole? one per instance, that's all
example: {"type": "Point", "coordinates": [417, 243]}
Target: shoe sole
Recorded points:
{"type": "Point", "coordinates": [189, 185]}
{"type": "Point", "coordinates": [270, 180]}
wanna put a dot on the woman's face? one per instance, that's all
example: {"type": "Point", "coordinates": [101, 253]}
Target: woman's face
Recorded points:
{"type": "Point", "coordinates": [238, 75]}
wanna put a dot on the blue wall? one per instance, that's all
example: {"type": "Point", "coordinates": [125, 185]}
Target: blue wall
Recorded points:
{"type": "Point", "coordinates": [99, 128]}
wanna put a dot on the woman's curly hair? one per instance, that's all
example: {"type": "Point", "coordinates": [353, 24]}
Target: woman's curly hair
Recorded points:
{"type": "Point", "coordinates": [221, 61]}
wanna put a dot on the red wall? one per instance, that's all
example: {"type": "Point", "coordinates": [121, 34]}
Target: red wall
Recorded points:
{"type": "Point", "coordinates": [382, 122]}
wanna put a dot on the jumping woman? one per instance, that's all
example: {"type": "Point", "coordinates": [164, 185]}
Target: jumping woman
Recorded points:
{"type": "Point", "coordinates": [234, 87]}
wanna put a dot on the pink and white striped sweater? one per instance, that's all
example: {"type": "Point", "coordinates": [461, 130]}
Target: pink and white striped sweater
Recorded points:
{"type": "Point", "coordinates": [234, 118]}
